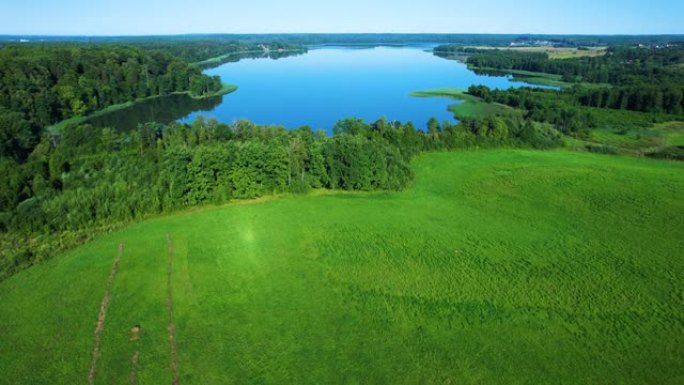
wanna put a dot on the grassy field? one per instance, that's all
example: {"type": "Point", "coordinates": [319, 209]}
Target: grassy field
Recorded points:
{"type": "Point", "coordinates": [470, 106]}
{"type": "Point", "coordinates": [557, 52]}
{"type": "Point", "coordinates": [495, 267]}
{"type": "Point", "coordinates": [639, 137]}
{"type": "Point", "coordinates": [560, 53]}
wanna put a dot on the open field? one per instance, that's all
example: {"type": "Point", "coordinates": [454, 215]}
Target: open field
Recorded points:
{"type": "Point", "coordinates": [632, 133]}
{"type": "Point", "coordinates": [557, 52]}
{"type": "Point", "coordinates": [470, 106]}
{"type": "Point", "coordinates": [496, 266]}
{"type": "Point", "coordinates": [564, 53]}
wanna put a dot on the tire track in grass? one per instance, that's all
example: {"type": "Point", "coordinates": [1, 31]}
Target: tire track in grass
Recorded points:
{"type": "Point", "coordinates": [169, 308]}
{"type": "Point", "coordinates": [135, 337]}
{"type": "Point", "coordinates": [134, 368]}
{"type": "Point", "coordinates": [99, 326]}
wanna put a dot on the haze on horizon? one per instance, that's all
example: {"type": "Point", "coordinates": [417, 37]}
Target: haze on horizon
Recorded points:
{"type": "Point", "coordinates": [169, 17]}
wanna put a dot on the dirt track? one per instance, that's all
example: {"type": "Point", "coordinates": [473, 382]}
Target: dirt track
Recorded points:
{"type": "Point", "coordinates": [103, 315]}
{"type": "Point", "coordinates": [169, 308]}
{"type": "Point", "coordinates": [134, 368]}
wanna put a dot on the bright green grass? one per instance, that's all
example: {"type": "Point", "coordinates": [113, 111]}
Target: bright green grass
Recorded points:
{"type": "Point", "coordinates": [470, 106]}
{"type": "Point", "coordinates": [673, 133]}
{"type": "Point", "coordinates": [676, 140]}
{"type": "Point", "coordinates": [495, 267]}
{"type": "Point", "coordinates": [640, 139]}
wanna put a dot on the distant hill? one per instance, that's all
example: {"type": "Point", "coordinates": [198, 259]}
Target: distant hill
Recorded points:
{"type": "Point", "coordinates": [363, 38]}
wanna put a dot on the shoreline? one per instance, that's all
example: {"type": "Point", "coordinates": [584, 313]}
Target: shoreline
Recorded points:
{"type": "Point", "coordinates": [219, 60]}
{"type": "Point", "coordinates": [57, 127]}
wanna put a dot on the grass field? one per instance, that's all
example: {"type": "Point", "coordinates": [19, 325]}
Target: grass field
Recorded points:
{"type": "Point", "coordinates": [637, 138]}
{"type": "Point", "coordinates": [557, 52]}
{"type": "Point", "coordinates": [495, 267]}
{"type": "Point", "coordinates": [564, 52]}
{"type": "Point", "coordinates": [470, 106]}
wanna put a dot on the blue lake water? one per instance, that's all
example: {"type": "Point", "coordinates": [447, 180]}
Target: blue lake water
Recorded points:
{"type": "Point", "coordinates": [318, 89]}
{"type": "Point", "coordinates": [327, 84]}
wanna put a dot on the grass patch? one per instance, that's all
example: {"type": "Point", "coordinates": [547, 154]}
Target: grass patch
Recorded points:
{"type": "Point", "coordinates": [556, 53]}
{"type": "Point", "coordinates": [560, 53]}
{"type": "Point", "coordinates": [496, 266]}
{"type": "Point", "coordinates": [225, 90]}
{"type": "Point", "coordinates": [636, 132]}
{"type": "Point", "coordinates": [470, 106]}
{"type": "Point", "coordinates": [673, 132]}
{"type": "Point", "coordinates": [75, 120]}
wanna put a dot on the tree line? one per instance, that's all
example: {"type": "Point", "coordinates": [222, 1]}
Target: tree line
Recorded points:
{"type": "Point", "coordinates": [620, 64]}
{"type": "Point", "coordinates": [640, 79]}
{"type": "Point", "coordinates": [97, 178]}
{"type": "Point", "coordinates": [193, 51]}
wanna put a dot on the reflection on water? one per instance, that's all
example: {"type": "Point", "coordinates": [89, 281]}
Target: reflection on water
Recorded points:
{"type": "Point", "coordinates": [275, 55]}
{"type": "Point", "coordinates": [164, 109]}
{"type": "Point", "coordinates": [331, 83]}
{"type": "Point", "coordinates": [319, 88]}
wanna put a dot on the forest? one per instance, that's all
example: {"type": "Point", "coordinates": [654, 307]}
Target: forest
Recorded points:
{"type": "Point", "coordinates": [637, 79]}
{"type": "Point", "coordinates": [644, 80]}
{"type": "Point", "coordinates": [47, 83]}
{"type": "Point", "coordinates": [43, 85]}
{"type": "Point", "coordinates": [200, 50]}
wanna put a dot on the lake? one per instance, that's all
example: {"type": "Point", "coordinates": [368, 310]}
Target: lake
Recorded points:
{"type": "Point", "coordinates": [321, 87]}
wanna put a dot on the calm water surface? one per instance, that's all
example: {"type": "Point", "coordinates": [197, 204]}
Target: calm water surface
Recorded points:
{"type": "Point", "coordinates": [328, 84]}
{"type": "Point", "coordinates": [321, 87]}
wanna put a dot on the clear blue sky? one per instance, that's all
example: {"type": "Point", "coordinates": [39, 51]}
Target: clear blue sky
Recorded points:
{"type": "Point", "coordinates": [138, 17]}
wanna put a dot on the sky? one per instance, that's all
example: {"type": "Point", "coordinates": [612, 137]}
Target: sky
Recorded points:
{"type": "Point", "coordinates": [169, 17]}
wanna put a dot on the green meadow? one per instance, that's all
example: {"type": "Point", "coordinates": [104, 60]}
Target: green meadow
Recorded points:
{"type": "Point", "coordinates": [495, 266]}
{"type": "Point", "coordinates": [470, 106]}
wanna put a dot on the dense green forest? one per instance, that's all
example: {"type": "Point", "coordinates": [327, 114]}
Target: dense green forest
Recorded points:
{"type": "Point", "coordinates": [42, 85]}
{"type": "Point", "coordinates": [647, 82]}
{"type": "Point", "coordinates": [640, 79]}
{"type": "Point", "coordinates": [201, 50]}
{"type": "Point", "coordinates": [47, 83]}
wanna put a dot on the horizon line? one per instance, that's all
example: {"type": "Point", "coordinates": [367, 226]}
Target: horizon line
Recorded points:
{"type": "Point", "coordinates": [338, 33]}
